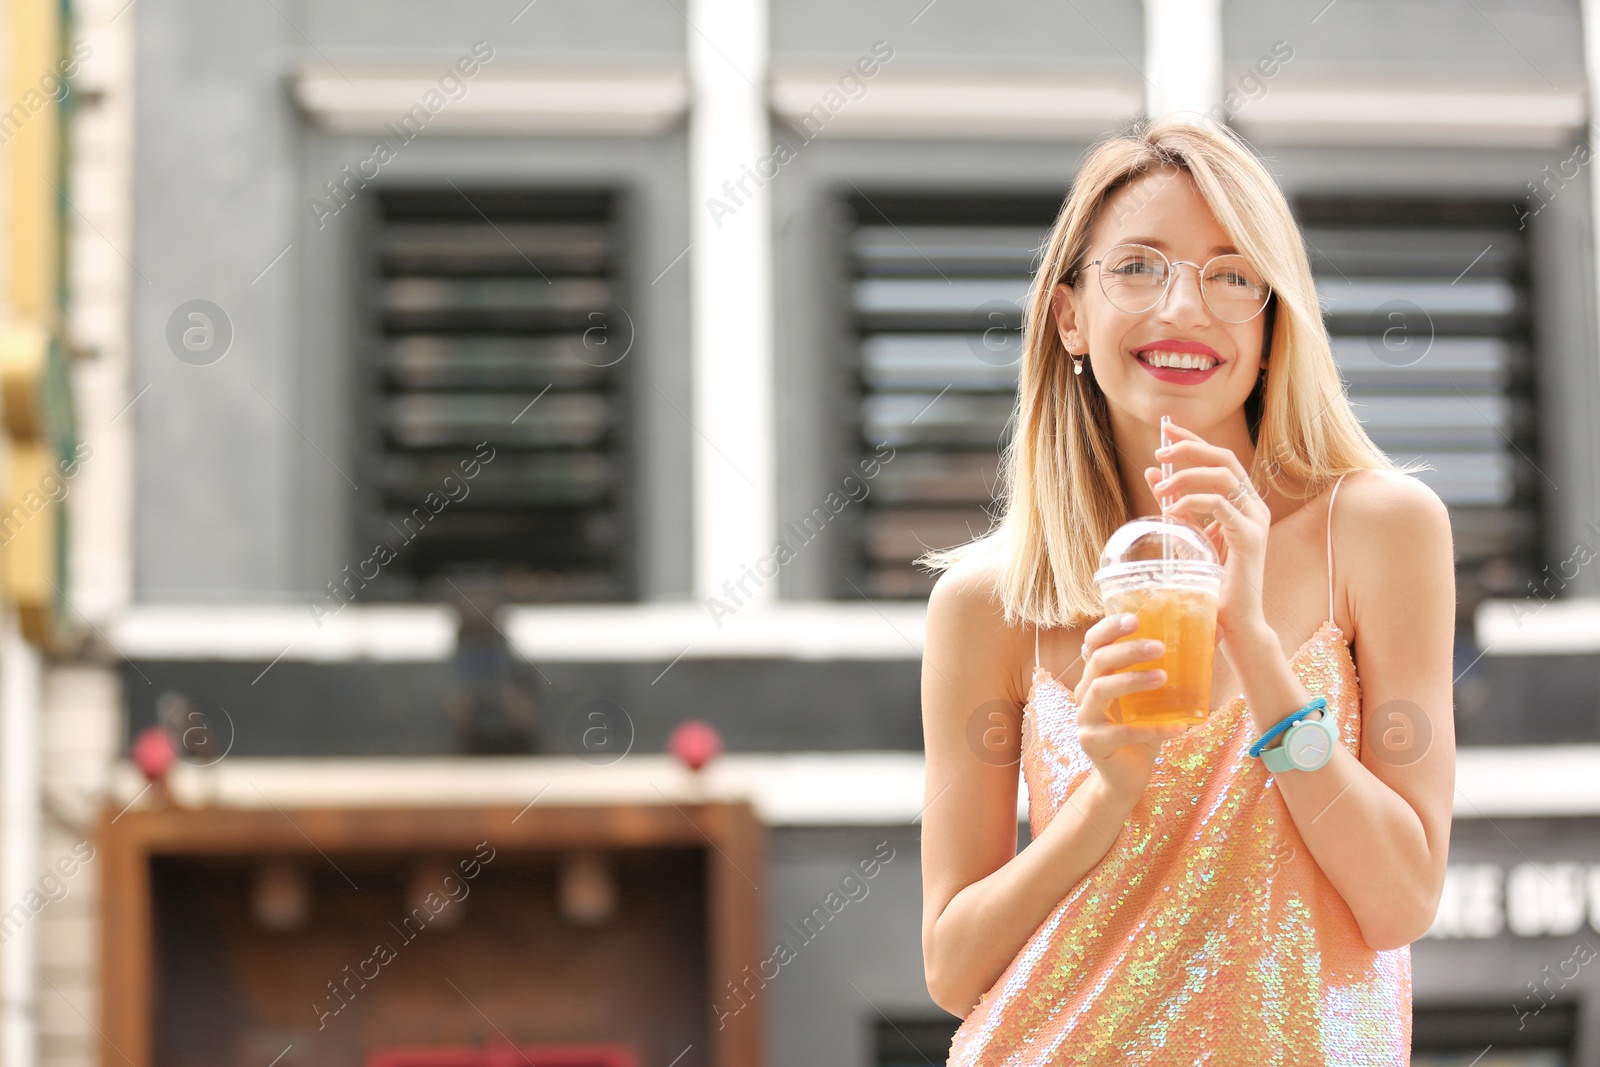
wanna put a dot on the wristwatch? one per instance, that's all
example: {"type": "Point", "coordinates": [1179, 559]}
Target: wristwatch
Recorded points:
{"type": "Point", "coordinates": [1307, 745]}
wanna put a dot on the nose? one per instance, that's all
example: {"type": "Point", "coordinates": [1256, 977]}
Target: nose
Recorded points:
{"type": "Point", "coordinates": [1183, 304]}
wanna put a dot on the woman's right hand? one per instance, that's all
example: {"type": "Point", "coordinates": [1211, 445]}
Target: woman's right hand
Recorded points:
{"type": "Point", "coordinates": [1123, 754]}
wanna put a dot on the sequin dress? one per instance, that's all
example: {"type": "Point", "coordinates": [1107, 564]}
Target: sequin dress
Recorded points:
{"type": "Point", "coordinates": [1207, 934]}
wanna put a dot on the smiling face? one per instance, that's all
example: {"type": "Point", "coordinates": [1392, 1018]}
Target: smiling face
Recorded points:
{"type": "Point", "coordinates": [1165, 211]}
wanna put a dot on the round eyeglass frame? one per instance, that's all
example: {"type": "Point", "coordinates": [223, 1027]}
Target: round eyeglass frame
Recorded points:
{"type": "Point", "coordinates": [1172, 272]}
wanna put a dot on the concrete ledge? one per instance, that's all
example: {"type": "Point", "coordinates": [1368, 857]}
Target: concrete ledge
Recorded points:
{"type": "Point", "coordinates": [799, 789]}
{"type": "Point", "coordinates": [579, 101]}
{"type": "Point", "coordinates": [960, 104]}
{"type": "Point", "coordinates": [1530, 627]}
{"type": "Point", "coordinates": [620, 633]}
{"type": "Point", "coordinates": [1473, 115]}
{"type": "Point", "coordinates": [820, 630]}
{"type": "Point", "coordinates": [270, 632]}
{"type": "Point", "coordinates": [788, 789]}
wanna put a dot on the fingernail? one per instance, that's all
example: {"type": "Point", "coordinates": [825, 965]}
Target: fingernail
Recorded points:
{"type": "Point", "coordinates": [1153, 647]}
{"type": "Point", "coordinates": [1128, 622]}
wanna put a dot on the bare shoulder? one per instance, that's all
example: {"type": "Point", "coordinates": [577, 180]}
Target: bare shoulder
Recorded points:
{"type": "Point", "coordinates": [966, 600]}
{"type": "Point", "coordinates": [1384, 511]}
{"type": "Point", "coordinates": [1394, 531]}
{"type": "Point", "coordinates": [966, 627]}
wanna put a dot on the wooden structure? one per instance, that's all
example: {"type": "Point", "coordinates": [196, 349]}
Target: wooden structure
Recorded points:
{"type": "Point", "coordinates": [724, 840]}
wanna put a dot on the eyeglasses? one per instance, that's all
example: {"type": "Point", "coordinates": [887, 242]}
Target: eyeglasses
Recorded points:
{"type": "Point", "coordinates": [1135, 278]}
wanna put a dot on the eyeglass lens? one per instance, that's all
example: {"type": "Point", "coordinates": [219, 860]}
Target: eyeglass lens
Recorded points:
{"type": "Point", "coordinates": [1135, 278]}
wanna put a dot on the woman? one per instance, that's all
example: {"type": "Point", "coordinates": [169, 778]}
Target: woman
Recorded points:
{"type": "Point", "coordinates": [1178, 901]}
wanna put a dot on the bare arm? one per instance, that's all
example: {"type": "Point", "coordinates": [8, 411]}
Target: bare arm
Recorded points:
{"type": "Point", "coordinates": [981, 898]}
{"type": "Point", "coordinates": [1379, 826]}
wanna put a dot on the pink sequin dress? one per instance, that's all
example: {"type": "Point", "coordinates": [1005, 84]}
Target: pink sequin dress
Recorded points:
{"type": "Point", "coordinates": [1207, 934]}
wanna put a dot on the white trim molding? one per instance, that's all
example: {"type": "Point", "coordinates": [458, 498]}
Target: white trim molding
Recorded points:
{"type": "Point", "coordinates": [924, 103]}
{"type": "Point", "coordinates": [21, 818]}
{"type": "Point", "coordinates": [1530, 627]}
{"type": "Point", "coordinates": [851, 788]}
{"type": "Point", "coordinates": [582, 101]}
{"type": "Point", "coordinates": [262, 632]}
{"type": "Point", "coordinates": [1475, 115]}
{"type": "Point", "coordinates": [821, 630]}
{"type": "Point", "coordinates": [786, 789]}
{"type": "Point", "coordinates": [1527, 781]}
{"type": "Point", "coordinates": [577, 633]}
{"type": "Point", "coordinates": [1182, 56]}
{"type": "Point", "coordinates": [732, 415]}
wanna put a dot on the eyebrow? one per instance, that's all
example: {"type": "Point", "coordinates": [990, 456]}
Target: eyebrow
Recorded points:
{"type": "Point", "coordinates": [1156, 242]}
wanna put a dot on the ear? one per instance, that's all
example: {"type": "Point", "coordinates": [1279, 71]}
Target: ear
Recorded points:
{"type": "Point", "coordinates": [1064, 305]}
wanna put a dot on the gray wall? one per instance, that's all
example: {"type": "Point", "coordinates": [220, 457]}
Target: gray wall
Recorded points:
{"type": "Point", "coordinates": [1398, 40]}
{"type": "Point", "coordinates": [814, 1015]}
{"type": "Point", "coordinates": [215, 148]}
{"type": "Point", "coordinates": [1093, 37]}
{"type": "Point", "coordinates": [245, 467]}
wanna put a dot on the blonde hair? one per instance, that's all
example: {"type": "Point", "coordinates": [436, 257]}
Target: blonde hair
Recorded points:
{"type": "Point", "coordinates": [1063, 495]}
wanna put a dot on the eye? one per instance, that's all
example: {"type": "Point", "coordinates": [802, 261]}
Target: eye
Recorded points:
{"type": "Point", "coordinates": [1234, 275]}
{"type": "Point", "coordinates": [1136, 265]}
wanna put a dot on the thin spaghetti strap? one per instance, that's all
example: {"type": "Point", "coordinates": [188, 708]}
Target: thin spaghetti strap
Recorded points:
{"type": "Point", "coordinates": [1035, 650]}
{"type": "Point", "coordinates": [1331, 498]}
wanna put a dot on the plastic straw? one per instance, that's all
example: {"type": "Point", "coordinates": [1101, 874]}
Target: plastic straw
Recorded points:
{"type": "Point", "coordinates": [1166, 472]}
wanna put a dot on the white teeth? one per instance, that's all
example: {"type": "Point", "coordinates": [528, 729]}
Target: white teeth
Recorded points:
{"type": "Point", "coordinates": [1178, 360]}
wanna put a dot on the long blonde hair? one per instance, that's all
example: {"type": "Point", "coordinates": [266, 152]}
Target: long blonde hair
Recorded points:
{"type": "Point", "coordinates": [1063, 495]}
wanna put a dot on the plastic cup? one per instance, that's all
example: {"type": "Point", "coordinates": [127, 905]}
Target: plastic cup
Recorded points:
{"type": "Point", "coordinates": [1158, 570]}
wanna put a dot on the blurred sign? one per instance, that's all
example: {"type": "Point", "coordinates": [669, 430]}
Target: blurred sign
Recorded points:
{"type": "Point", "coordinates": [1483, 900]}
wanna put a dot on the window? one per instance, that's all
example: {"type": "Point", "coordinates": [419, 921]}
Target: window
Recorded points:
{"type": "Point", "coordinates": [912, 1042]}
{"type": "Point", "coordinates": [938, 284]}
{"type": "Point", "coordinates": [499, 344]}
{"type": "Point", "coordinates": [1463, 1036]}
{"type": "Point", "coordinates": [1427, 304]}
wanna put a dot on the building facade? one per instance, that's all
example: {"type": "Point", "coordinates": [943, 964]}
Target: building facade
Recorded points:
{"type": "Point", "coordinates": [473, 394]}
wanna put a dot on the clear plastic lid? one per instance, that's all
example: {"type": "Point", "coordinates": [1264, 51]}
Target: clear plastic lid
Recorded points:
{"type": "Point", "coordinates": [1155, 547]}
{"type": "Point", "coordinates": [1165, 549]}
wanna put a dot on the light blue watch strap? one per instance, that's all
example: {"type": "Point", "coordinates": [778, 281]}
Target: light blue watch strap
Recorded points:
{"type": "Point", "coordinates": [1307, 746]}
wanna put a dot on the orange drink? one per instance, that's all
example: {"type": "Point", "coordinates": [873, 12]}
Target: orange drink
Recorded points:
{"type": "Point", "coordinates": [1165, 573]}
{"type": "Point", "coordinates": [1185, 621]}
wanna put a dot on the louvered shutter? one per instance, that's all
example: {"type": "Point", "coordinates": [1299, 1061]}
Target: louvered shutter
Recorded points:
{"type": "Point", "coordinates": [1427, 305]}
{"type": "Point", "coordinates": [498, 321]}
{"type": "Point", "coordinates": [937, 289]}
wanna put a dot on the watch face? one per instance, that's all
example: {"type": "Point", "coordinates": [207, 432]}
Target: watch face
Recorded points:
{"type": "Point", "coordinates": [1309, 748]}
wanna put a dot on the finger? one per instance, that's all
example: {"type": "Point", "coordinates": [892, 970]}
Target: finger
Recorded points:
{"type": "Point", "coordinates": [1195, 450]}
{"type": "Point", "coordinates": [1196, 479]}
{"type": "Point", "coordinates": [1175, 431]}
{"type": "Point", "coordinates": [1218, 481]}
{"type": "Point", "coordinates": [1213, 508]}
{"type": "Point", "coordinates": [1117, 735]}
{"type": "Point", "coordinates": [1108, 629]}
{"type": "Point", "coordinates": [1119, 655]}
{"type": "Point", "coordinates": [1107, 687]}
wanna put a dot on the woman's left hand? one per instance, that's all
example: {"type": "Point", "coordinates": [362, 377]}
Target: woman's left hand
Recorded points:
{"type": "Point", "coordinates": [1204, 489]}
